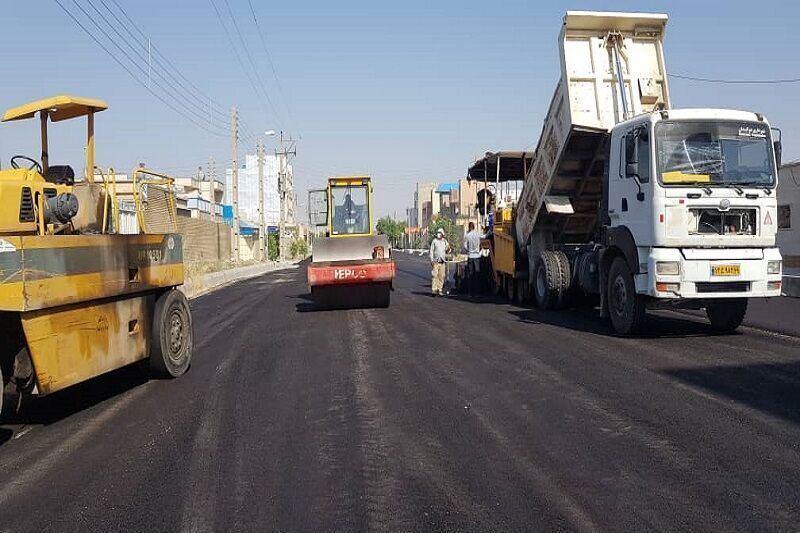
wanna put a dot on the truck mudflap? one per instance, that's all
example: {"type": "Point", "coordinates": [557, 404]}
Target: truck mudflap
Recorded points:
{"type": "Point", "coordinates": [351, 272]}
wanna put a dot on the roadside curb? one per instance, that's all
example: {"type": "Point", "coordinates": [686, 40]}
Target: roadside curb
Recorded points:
{"type": "Point", "coordinates": [791, 286]}
{"type": "Point", "coordinates": [206, 283]}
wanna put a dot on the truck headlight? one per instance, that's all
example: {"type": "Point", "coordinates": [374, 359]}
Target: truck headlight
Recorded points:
{"type": "Point", "coordinates": [774, 267]}
{"type": "Point", "coordinates": [668, 268]}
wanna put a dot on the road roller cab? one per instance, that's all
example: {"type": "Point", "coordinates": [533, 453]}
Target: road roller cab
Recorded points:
{"type": "Point", "coordinates": [77, 299]}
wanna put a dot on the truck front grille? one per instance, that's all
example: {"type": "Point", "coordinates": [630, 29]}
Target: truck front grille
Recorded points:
{"type": "Point", "coordinates": [723, 286]}
{"type": "Point", "coordinates": [716, 222]}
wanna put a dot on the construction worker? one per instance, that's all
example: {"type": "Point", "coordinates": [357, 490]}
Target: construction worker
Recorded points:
{"type": "Point", "coordinates": [438, 255]}
{"type": "Point", "coordinates": [472, 245]}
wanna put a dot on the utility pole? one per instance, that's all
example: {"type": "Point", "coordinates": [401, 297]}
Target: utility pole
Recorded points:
{"type": "Point", "coordinates": [261, 225]}
{"type": "Point", "coordinates": [212, 178]}
{"type": "Point", "coordinates": [287, 149]}
{"type": "Point", "coordinates": [235, 180]}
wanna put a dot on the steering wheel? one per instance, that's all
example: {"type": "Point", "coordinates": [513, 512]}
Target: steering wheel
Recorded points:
{"type": "Point", "coordinates": [33, 163]}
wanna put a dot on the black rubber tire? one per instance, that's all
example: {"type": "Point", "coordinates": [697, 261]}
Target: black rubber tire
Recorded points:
{"type": "Point", "coordinates": [521, 291]}
{"type": "Point", "coordinates": [546, 284]}
{"type": "Point", "coordinates": [172, 335]}
{"type": "Point", "coordinates": [359, 296]}
{"type": "Point", "coordinates": [625, 307]}
{"type": "Point", "coordinates": [510, 287]}
{"type": "Point", "coordinates": [497, 285]}
{"type": "Point", "coordinates": [726, 315]}
{"type": "Point", "coordinates": [564, 279]}
{"type": "Point", "coordinates": [383, 296]}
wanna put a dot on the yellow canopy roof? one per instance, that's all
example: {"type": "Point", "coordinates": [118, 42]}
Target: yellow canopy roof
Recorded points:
{"type": "Point", "coordinates": [58, 107]}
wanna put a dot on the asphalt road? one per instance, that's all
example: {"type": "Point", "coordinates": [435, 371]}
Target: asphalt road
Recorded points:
{"type": "Point", "coordinates": [436, 414]}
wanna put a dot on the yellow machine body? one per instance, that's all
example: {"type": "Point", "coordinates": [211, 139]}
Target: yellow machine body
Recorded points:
{"type": "Point", "coordinates": [78, 297]}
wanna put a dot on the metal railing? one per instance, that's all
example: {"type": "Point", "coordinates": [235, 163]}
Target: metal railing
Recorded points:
{"type": "Point", "coordinates": [142, 178]}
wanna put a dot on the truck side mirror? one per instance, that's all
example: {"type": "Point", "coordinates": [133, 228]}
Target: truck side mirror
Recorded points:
{"type": "Point", "coordinates": [777, 146]}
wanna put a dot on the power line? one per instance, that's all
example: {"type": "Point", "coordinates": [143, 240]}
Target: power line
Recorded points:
{"type": "Point", "coordinates": [201, 99]}
{"type": "Point", "coordinates": [269, 58]}
{"type": "Point", "coordinates": [735, 82]}
{"type": "Point", "coordinates": [238, 56]}
{"type": "Point", "coordinates": [128, 70]}
{"type": "Point", "coordinates": [252, 63]}
{"type": "Point", "coordinates": [180, 96]}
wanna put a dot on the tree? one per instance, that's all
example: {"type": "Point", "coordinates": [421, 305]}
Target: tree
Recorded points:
{"type": "Point", "coordinates": [452, 232]}
{"type": "Point", "coordinates": [393, 229]}
{"type": "Point", "coordinates": [272, 246]}
{"type": "Point", "coordinates": [298, 248]}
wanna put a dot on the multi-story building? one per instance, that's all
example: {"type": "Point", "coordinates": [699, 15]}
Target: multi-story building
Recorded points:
{"type": "Point", "coordinates": [248, 190]}
{"type": "Point", "coordinates": [423, 203]}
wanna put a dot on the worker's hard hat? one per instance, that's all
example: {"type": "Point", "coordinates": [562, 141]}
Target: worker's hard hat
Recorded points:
{"type": "Point", "coordinates": [440, 231]}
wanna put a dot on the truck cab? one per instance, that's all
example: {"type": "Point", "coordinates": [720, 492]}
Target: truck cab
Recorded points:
{"type": "Point", "coordinates": [695, 189]}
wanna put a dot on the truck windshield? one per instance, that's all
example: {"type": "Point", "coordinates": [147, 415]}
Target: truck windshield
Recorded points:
{"type": "Point", "coordinates": [714, 153]}
{"type": "Point", "coordinates": [350, 210]}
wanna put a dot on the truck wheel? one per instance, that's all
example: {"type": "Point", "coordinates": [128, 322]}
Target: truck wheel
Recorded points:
{"type": "Point", "coordinates": [726, 315]}
{"type": "Point", "coordinates": [547, 281]}
{"type": "Point", "coordinates": [521, 293]}
{"type": "Point", "coordinates": [564, 278]}
{"type": "Point", "coordinates": [626, 308]}
{"type": "Point", "coordinates": [510, 288]}
{"type": "Point", "coordinates": [171, 337]}
{"type": "Point", "coordinates": [497, 285]}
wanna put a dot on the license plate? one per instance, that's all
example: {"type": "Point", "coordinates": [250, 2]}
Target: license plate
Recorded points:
{"type": "Point", "coordinates": [726, 270]}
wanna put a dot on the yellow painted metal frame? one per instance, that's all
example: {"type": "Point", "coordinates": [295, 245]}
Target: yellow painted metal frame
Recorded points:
{"type": "Point", "coordinates": [74, 343]}
{"type": "Point", "coordinates": [344, 181]}
{"type": "Point", "coordinates": [151, 177]}
{"type": "Point", "coordinates": [58, 108]}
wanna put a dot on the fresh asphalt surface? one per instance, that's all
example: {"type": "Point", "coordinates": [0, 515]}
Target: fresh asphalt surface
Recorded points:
{"type": "Point", "coordinates": [437, 414]}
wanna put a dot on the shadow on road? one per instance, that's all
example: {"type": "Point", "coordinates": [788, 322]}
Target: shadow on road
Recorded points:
{"type": "Point", "coordinates": [773, 388]}
{"type": "Point", "coordinates": [59, 405]}
{"type": "Point", "coordinates": [586, 319]}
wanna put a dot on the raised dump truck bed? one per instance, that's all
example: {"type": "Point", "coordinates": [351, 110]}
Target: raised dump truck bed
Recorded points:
{"type": "Point", "coordinates": [563, 189]}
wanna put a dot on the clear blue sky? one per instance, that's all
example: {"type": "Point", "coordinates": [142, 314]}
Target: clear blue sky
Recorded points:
{"type": "Point", "coordinates": [406, 91]}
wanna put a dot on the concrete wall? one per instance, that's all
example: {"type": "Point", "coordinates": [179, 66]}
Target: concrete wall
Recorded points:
{"type": "Point", "coordinates": [204, 240]}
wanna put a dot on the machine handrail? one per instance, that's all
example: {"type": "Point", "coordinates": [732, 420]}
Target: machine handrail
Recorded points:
{"type": "Point", "coordinates": [158, 179]}
{"type": "Point", "coordinates": [109, 182]}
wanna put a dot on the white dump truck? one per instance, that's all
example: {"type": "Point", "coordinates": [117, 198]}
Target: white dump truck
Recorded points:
{"type": "Point", "coordinates": [647, 206]}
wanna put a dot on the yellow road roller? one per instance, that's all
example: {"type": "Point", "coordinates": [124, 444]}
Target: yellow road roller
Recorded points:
{"type": "Point", "coordinates": [77, 299]}
{"type": "Point", "coordinates": [352, 266]}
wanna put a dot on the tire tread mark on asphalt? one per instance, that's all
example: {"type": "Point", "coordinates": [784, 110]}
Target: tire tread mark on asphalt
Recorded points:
{"type": "Point", "coordinates": [659, 445]}
{"type": "Point", "coordinates": [419, 452]}
{"type": "Point", "coordinates": [200, 504]}
{"type": "Point", "coordinates": [57, 449]}
{"type": "Point", "coordinates": [381, 485]}
{"type": "Point", "coordinates": [549, 490]}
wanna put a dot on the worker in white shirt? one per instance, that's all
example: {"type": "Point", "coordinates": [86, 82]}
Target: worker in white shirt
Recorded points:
{"type": "Point", "coordinates": [438, 255]}
{"type": "Point", "coordinates": [472, 245]}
